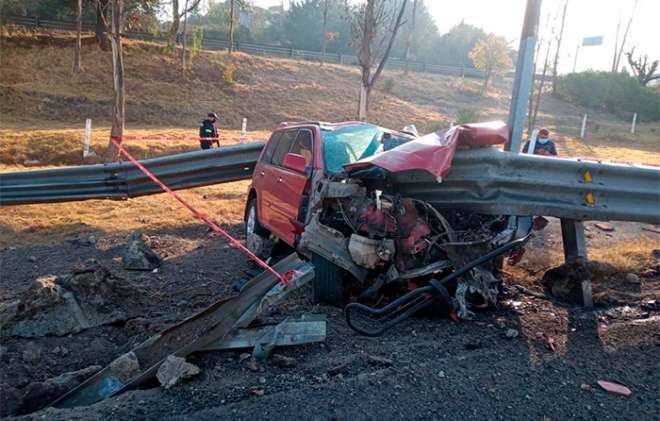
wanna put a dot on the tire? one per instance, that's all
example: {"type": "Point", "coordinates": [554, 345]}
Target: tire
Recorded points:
{"type": "Point", "coordinates": [327, 283]}
{"type": "Point", "coordinates": [256, 236]}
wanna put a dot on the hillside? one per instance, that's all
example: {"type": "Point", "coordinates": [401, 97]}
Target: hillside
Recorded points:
{"type": "Point", "coordinates": [43, 106]}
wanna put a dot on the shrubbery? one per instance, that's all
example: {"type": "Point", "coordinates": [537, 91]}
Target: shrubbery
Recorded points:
{"type": "Point", "coordinates": [618, 93]}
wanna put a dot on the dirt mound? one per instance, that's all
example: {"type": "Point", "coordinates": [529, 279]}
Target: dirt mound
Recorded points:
{"type": "Point", "coordinates": [58, 305]}
{"type": "Point", "coordinates": [609, 284]}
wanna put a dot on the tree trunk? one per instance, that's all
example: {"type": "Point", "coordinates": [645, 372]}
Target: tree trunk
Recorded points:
{"type": "Point", "coordinates": [411, 35]}
{"type": "Point", "coordinates": [101, 34]}
{"type": "Point", "coordinates": [325, 31]}
{"type": "Point", "coordinates": [118, 107]}
{"type": "Point", "coordinates": [174, 28]}
{"type": "Point", "coordinates": [617, 61]}
{"type": "Point", "coordinates": [559, 39]}
{"type": "Point", "coordinates": [231, 26]}
{"type": "Point", "coordinates": [540, 91]}
{"type": "Point", "coordinates": [183, 38]}
{"type": "Point", "coordinates": [365, 90]}
{"type": "Point", "coordinates": [487, 77]}
{"type": "Point", "coordinates": [76, 54]}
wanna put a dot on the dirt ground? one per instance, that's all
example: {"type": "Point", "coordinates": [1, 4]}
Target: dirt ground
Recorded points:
{"type": "Point", "coordinates": [428, 368]}
{"type": "Point", "coordinates": [434, 368]}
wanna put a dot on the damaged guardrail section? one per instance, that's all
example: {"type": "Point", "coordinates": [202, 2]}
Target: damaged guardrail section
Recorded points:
{"type": "Point", "coordinates": [490, 181]}
{"type": "Point", "coordinates": [484, 180]}
{"type": "Point", "coordinates": [123, 180]}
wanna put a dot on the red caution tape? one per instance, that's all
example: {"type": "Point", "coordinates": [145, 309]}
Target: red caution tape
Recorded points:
{"type": "Point", "coordinates": [232, 241]}
{"type": "Point", "coordinates": [166, 137]}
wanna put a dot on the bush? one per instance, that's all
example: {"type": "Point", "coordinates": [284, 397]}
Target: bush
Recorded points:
{"type": "Point", "coordinates": [388, 85]}
{"type": "Point", "coordinates": [467, 115]}
{"type": "Point", "coordinates": [197, 38]}
{"type": "Point", "coordinates": [618, 93]}
{"type": "Point", "coordinates": [229, 74]}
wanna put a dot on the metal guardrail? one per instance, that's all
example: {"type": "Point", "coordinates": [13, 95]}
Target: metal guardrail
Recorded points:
{"type": "Point", "coordinates": [502, 183]}
{"type": "Point", "coordinates": [123, 180]}
{"type": "Point", "coordinates": [481, 180]}
{"type": "Point", "coordinates": [255, 48]}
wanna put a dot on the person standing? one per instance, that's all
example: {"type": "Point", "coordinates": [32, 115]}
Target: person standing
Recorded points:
{"type": "Point", "coordinates": [208, 133]}
{"type": "Point", "coordinates": [543, 145]}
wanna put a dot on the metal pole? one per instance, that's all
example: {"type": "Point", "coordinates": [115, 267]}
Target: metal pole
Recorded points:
{"type": "Point", "coordinates": [634, 123]}
{"type": "Point", "coordinates": [524, 72]}
{"type": "Point", "coordinates": [584, 126]}
{"type": "Point", "coordinates": [577, 50]}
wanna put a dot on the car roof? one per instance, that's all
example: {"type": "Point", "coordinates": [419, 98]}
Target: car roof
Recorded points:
{"type": "Point", "coordinates": [324, 125]}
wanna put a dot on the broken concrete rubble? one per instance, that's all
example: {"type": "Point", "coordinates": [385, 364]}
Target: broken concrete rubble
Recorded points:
{"type": "Point", "coordinates": [174, 370]}
{"type": "Point", "coordinates": [59, 305]}
{"type": "Point", "coordinates": [139, 256]}
{"type": "Point", "coordinates": [126, 367]}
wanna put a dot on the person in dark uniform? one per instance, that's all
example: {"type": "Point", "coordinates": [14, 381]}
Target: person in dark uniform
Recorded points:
{"type": "Point", "coordinates": [208, 133]}
{"type": "Point", "coordinates": [543, 146]}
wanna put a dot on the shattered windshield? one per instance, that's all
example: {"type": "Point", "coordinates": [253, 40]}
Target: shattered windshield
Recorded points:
{"type": "Point", "coordinates": [345, 145]}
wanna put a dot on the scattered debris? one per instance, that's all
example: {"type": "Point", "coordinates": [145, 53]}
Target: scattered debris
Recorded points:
{"type": "Point", "coordinates": [549, 342]}
{"type": "Point", "coordinates": [174, 369]}
{"type": "Point", "coordinates": [310, 328]}
{"type": "Point", "coordinates": [139, 256]}
{"type": "Point", "coordinates": [59, 305]}
{"type": "Point", "coordinates": [528, 291]}
{"type": "Point", "coordinates": [511, 333]}
{"type": "Point", "coordinates": [656, 253]}
{"type": "Point", "coordinates": [283, 361]}
{"type": "Point", "coordinates": [614, 388]}
{"type": "Point", "coordinates": [256, 391]}
{"type": "Point", "coordinates": [604, 226]}
{"type": "Point", "coordinates": [587, 387]}
{"type": "Point", "coordinates": [631, 278]}
{"type": "Point", "coordinates": [253, 365]}
{"type": "Point", "coordinates": [376, 360]}
{"type": "Point", "coordinates": [126, 367]}
{"type": "Point", "coordinates": [473, 345]}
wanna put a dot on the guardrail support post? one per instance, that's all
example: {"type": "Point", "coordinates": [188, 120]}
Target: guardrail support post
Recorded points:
{"type": "Point", "coordinates": [575, 250]}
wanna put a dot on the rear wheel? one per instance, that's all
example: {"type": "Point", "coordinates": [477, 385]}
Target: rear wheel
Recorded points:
{"type": "Point", "coordinates": [256, 236]}
{"type": "Point", "coordinates": [327, 283]}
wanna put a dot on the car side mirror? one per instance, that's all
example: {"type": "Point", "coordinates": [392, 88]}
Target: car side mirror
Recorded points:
{"type": "Point", "coordinates": [295, 162]}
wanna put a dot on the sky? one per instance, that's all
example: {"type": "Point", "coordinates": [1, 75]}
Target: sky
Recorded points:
{"type": "Point", "coordinates": [584, 18]}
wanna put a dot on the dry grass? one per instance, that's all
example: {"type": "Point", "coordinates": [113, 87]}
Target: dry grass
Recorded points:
{"type": "Point", "coordinates": [58, 146]}
{"type": "Point", "coordinates": [52, 223]}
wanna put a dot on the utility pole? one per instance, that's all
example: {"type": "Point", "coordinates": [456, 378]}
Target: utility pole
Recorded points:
{"type": "Point", "coordinates": [524, 73]}
{"type": "Point", "coordinates": [76, 57]}
{"type": "Point", "coordinates": [231, 26]}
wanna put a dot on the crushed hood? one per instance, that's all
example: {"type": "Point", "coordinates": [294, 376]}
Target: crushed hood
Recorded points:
{"type": "Point", "coordinates": [434, 152]}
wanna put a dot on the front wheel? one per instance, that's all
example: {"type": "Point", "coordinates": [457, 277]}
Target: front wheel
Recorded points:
{"type": "Point", "coordinates": [256, 236]}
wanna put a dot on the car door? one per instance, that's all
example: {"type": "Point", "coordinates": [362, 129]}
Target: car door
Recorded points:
{"type": "Point", "coordinates": [270, 215]}
{"type": "Point", "coordinates": [261, 182]}
{"type": "Point", "coordinates": [286, 195]}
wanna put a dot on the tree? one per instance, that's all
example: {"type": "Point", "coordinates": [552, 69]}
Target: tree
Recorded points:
{"type": "Point", "coordinates": [101, 31]}
{"type": "Point", "coordinates": [411, 34]}
{"type": "Point", "coordinates": [618, 50]}
{"type": "Point", "coordinates": [76, 55]}
{"type": "Point", "coordinates": [559, 39]}
{"type": "Point", "coordinates": [641, 68]}
{"type": "Point", "coordinates": [373, 25]}
{"type": "Point", "coordinates": [176, 21]}
{"type": "Point", "coordinates": [491, 56]}
{"type": "Point", "coordinates": [119, 103]}
{"type": "Point", "coordinates": [325, 31]}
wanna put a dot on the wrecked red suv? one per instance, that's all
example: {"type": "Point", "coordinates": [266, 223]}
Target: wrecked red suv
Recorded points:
{"type": "Point", "coordinates": [282, 176]}
{"type": "Point", "coordinates": [340, 194]}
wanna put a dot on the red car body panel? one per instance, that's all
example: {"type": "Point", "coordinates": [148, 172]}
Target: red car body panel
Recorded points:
{"type": "Point", "coordinates": [434, 152]}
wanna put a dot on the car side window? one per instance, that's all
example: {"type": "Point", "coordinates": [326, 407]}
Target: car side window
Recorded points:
{"type": "Point", "coordinates": [283, 146]}
{"type": "Point", "coordinates": [303, 145]}
{"type": "Point", "coordinates": [271, 146]}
